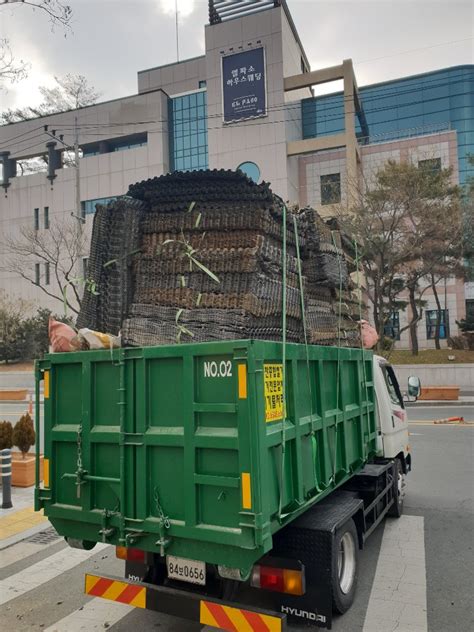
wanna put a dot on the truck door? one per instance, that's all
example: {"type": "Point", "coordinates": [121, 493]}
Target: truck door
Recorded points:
{"type": "Point", "coordinates": [392, 413]}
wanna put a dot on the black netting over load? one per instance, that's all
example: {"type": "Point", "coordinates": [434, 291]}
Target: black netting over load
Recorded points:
{"type": "Point", "coordinates": [196, 256]}
{"type": "Point", "coordinates": [116, 240]}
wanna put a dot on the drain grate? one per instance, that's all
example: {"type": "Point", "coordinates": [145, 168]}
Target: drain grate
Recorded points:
{"type": "Point", "coordinates": [44, 537]}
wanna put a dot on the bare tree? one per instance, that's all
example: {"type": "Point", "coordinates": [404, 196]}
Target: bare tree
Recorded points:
{"type": "Point", "coordinates": [69, 93]}
{"type": "Point", "coordinates": [58, 248]}
{"type": "Point", "coordinates": [409, 226]}
{"type": "Point", "coordinates": [58, 12]}
{"type": "Point", "coordinates": [11, 70]}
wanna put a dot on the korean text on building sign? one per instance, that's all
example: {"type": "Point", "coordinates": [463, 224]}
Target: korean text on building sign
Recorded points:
{"type": "Point", "coordinates": [243, 78]}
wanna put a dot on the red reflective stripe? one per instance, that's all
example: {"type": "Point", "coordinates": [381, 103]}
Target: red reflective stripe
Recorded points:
{"type": "Point", "coordinates": [254, 619]}
{"type": "Point", "coordinates": [221, 617]}
{"type": "Point", "coordinates": [129, 594]}
{"type": "Point", "coordinates": [99, 589]}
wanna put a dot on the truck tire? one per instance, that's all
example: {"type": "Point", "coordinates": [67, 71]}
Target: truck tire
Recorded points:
{"type": "Point", "coordinates": [396, 510]}
{"type": "Point", "coordinates": [345, 561]}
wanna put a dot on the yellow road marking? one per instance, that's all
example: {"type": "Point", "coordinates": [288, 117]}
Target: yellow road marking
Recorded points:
{"type": "Point", "coordinates": [425, 422]}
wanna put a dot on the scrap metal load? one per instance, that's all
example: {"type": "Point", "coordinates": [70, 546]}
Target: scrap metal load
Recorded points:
{"type": "Point", "coordinates": [199, 256]}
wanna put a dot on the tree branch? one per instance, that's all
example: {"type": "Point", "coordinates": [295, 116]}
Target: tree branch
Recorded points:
{"type": "Point", "coordinates": [58, 12]}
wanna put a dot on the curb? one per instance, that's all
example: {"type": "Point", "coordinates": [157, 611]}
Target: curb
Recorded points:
{"type": "Point", "coordinates": [436, 403]}
{"type": "Point", "coordinates": [23, 535]}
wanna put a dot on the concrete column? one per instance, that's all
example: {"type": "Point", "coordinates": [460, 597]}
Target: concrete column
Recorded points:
{"type": "Point", "coordinates": [352, 169]}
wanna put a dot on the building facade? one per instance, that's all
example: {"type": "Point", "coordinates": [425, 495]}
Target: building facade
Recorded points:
{"type": "Point", "coordinates": [246, 102]}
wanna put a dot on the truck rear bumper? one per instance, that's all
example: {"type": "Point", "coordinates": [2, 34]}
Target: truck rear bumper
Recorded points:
{"type": "Point", "coordinates": [190, 606]}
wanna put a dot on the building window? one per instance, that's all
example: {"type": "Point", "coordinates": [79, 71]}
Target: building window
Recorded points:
{"type": "Point", "coordinates": [392, 326]}
{"type": "Point", "coordinates": [37, 274]}
{"type": "Point", "coordinates": [88, 206]}
{"type": "Point", "coordinates": [46, 217]}
{"type": "Point", "coordinates": [46, 273]}
{"type": "Point", "coordinates": [203, 83]}
{"type": "Point", "coordinates": [85, 264]}
{"type": "Point", "coordinates": [188, 132]}
{"type": "Point", "coordinates": [331, 188]}
{"type": "Point", "coordinates": [469, 309]}
{"type": "Point", "coordinates": [431, 318]}
{"type": "Point", "coordinates": [122, 145]}
{"type": "Point", "coordinates": [431, 165]}
{"type": "Point", "coordinates": [131, 141]}
{"type": "Point", "coordinates": [37, 218]}
{"type": "Point", "coordinates": [251, 170]}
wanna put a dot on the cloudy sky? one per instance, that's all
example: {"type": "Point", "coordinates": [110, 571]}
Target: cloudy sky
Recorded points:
{"type": "Point", "coordinates": [112, 39]}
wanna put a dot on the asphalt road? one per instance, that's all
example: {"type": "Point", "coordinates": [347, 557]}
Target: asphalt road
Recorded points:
{"type": "Point", "coordinates": [43, 589]}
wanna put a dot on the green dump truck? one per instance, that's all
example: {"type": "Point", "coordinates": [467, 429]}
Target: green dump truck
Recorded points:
{"type": "Point", "coordinates": [236, 479]}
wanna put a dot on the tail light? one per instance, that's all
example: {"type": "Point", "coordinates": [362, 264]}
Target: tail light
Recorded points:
{"type": "Point", "coordinates": [281, 580]}
{"type": "Point", "coordinates": [130, 555]}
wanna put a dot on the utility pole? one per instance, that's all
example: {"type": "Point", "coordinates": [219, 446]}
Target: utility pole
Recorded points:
{"type": "Point", "coordinates": [80, 218]}
{"type": "Point", "coordinates": [77, 213]}
{"type": "Point", "coordinates": [177, 33]}
{"type": "Point", "coordinates": [78, 174]}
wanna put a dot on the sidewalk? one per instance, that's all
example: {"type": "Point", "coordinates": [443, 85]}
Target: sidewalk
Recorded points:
{"type": "Point", "coordinates": [21, 521]}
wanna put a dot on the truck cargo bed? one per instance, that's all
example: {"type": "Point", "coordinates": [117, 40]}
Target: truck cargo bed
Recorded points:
{"type": "Point", "coordinates": [182, 450]}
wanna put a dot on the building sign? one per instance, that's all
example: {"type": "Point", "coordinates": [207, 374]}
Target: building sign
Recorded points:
{"type": "Point", "coordinates": [243, 85]}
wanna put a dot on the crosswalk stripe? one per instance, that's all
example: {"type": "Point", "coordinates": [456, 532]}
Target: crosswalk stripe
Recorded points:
{"type": "Point", "coordinates": [398, 596]}
{"type": "Point", "coordinates": [92, 617]}
{"type": "Point", "coordinates": [44, 571]}
{"type": "Point", "coordinates": [19, 551]}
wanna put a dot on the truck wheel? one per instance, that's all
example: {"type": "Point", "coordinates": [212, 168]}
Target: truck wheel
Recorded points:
{"type": "Point", "coordinates": [399, 484]}
{"type": "Point", "coordinates": [344, 567]}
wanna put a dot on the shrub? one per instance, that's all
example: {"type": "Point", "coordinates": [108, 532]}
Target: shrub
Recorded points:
{"type": "Point", "coordinates": [457, 342]}
{"type": "Point", "coordinates": [24, 434]}
{"type": "Point", "coordinates": [466, 324]}
{"type": "Point", "coordinates": [16, 340]}
{"type": "Point", "coordinates": [6, 435]}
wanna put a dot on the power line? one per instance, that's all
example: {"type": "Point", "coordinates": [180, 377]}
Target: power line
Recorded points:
{"type": "Point", "coordinates": [413, 50]}
{"type": "Point", "coordinates": [384, 93]}
{"type": "Point", "coordinates": [260, 122]}
{"type": "Point", "coordinates": [35, 129]}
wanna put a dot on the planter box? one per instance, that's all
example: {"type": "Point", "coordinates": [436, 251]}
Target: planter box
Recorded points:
{"type": "Point", "coordinates": [450, 393]}
{"type": "Point", "coordinates": [13, 394]}
{"type": "Point", "coordinates": [23, 469]}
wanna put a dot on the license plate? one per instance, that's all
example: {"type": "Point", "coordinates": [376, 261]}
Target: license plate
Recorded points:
{"type": "Point", "coordinates": [186, 570]}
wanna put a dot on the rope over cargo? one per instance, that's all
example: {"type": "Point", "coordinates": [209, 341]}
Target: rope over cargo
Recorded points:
{"type": "Point", "coordinates": [211, 243]}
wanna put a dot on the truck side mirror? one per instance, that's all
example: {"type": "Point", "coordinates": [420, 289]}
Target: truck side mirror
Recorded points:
{"type": "Point", "coordinates": [414, 386]}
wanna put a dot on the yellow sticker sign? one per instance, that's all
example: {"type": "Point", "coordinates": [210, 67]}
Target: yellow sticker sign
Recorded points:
{"type": "Point", "coordinates": [273, 382]}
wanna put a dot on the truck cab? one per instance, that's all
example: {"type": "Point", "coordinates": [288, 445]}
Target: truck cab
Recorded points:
{"type": "Point", "coordinates": [392, 419]}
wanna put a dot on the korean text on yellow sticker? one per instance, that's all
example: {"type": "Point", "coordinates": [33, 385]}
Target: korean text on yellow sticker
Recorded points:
{"type": "Point", "coordinates": [273, 383]}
